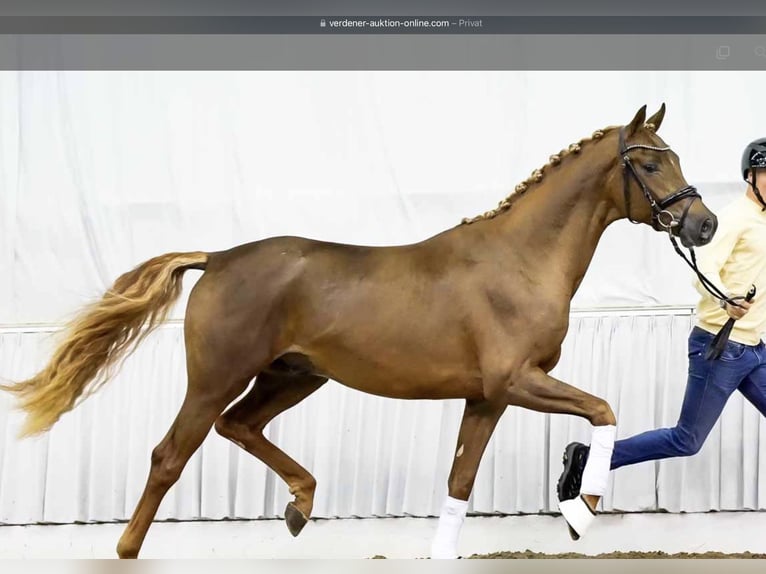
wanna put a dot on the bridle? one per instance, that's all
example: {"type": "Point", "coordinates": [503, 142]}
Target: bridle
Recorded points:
{"type": "Point", "coordinates": [660, 214]}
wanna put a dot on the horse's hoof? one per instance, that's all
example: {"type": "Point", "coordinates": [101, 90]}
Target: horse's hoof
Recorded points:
{"type": "Point", "coordinates": [572, 534]}
{"type": "Point", "coordinates": [295, 519]}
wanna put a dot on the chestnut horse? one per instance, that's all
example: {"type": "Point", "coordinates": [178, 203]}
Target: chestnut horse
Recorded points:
{"type": "Point", "coordinates": [477, 312]}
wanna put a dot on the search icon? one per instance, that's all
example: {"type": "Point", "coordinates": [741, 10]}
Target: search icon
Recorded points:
{"type": "Point", "coordinates": [760, 51]}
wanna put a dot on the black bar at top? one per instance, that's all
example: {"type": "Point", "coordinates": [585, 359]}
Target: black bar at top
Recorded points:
{"type": "Point", "coordinates": [382, 25]}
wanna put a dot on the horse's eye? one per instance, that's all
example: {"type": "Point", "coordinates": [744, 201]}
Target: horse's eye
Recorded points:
{"type": "Point", "coordinates": [650, 167]}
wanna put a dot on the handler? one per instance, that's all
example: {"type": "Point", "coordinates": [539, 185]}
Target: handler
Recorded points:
{"type": "Point", "coordinates": [734, 260]}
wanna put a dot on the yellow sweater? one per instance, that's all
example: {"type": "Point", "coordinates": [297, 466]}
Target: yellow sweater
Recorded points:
{"type": "Point", "coordinates": [734, 260]}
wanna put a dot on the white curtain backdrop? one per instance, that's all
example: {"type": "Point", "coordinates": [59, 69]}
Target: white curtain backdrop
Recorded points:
{"type": "Point", "coordinates": [102, 170]}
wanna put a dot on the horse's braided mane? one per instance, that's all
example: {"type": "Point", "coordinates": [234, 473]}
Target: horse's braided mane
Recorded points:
{"type": "Point", "coordinates": [537, 175]}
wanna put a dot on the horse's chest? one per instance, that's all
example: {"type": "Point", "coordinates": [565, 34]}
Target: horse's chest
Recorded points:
{"type": "Point", "coordinates": [542, 332]}
{"type": "Point", "coordinates": [526, 325]}
{"type": "Point", "coordinates": [531, 314]}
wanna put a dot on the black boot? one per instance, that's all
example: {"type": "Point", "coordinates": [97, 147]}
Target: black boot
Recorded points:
{"type": "Point", "coordinates": [575, 457]}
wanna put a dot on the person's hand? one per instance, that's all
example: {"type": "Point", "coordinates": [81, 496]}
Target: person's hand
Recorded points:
{"type": "Point", "coordinates": [738, 312]}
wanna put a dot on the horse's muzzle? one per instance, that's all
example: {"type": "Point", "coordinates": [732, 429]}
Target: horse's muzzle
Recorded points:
{"type": "Point", "coordinates": [698, 232]}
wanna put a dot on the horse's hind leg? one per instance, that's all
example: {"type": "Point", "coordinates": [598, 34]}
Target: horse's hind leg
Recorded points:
{"type": "Point", "coordinates": [479, 421]}
{"type": "Point", "coordinates": [191, 426]}
{"type": "Point", "coordinates": [244, 422]}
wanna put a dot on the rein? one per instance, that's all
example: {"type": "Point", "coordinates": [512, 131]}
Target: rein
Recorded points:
{"type": "Point", "coordinates": [665, 218]}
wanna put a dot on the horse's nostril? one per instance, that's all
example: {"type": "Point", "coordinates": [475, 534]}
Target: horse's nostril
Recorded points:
{"type": "Point", "coordinates": [706, 229]}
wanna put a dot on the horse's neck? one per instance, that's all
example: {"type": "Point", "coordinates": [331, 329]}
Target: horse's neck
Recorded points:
{"type": "Point", "coordinates": [562, 220]}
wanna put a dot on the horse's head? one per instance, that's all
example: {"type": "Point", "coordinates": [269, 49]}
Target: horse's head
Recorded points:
{"type": "Point", "coordinates": [653, 188]}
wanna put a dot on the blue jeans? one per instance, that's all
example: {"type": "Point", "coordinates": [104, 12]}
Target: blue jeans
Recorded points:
{"type": "Point", "coordinates": [710, 384]}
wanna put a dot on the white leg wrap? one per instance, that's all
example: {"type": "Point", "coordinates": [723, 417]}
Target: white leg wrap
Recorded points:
{"type": "Point", "coordinates": [450, 521]}
{"type": "Point", "coordinates": [577, 513]}
{"type": "Point", "coordinates": [595, 476]}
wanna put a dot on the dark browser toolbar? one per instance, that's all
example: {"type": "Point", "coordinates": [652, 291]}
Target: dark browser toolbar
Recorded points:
{"type": "Point", "coordinates": [382, 25]}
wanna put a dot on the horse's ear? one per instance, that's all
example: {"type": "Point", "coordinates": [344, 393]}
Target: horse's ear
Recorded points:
{"type": "Point", "coordinates": [637, 121]}
{"type": "Point", "coordinates": [655, 121]}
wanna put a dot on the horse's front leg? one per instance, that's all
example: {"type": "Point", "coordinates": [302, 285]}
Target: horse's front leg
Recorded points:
{"type": "Point", "coordinates": [533, 389]}
{"type": "Point", "coordinates": [479, 421]}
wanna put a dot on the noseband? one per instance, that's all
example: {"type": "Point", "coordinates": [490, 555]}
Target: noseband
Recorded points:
{"type": "Point", "coordinates": [660, 213]}
{"type": "Point", "coordinates": [663, 217]}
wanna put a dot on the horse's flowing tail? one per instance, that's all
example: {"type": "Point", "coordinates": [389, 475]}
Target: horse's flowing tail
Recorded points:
{"type": "Point", "coordinates": [101, 336]}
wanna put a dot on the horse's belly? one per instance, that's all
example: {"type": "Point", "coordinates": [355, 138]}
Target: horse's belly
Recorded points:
{"type": "Point", "coordinates": [406, 378]}
{"type": "Point", "coordinates": [403, 388]}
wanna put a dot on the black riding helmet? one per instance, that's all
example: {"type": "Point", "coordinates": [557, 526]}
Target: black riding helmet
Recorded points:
{"type": "Point", "coordinates": [754, 157]}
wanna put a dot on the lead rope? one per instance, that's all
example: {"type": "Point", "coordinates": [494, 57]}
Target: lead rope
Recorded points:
{"type": "Point", "coordinates": [709, 286]}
